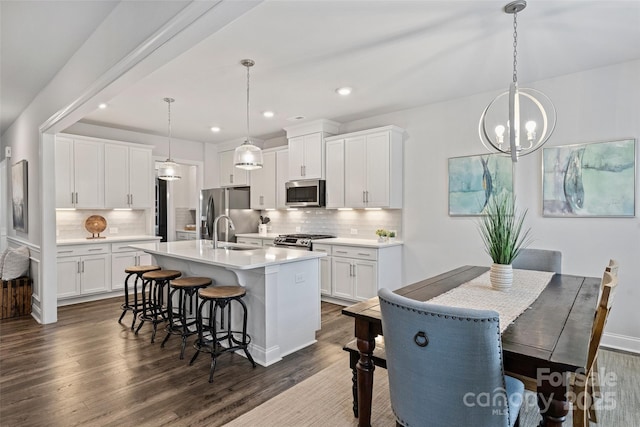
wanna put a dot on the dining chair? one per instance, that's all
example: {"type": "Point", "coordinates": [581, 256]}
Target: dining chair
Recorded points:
{"type": "Point", "coordinates": [585, 384]}
{"type": "Point", "coordinates": [539, 259]}
{"type": "Point", "coordinates": [445, 365]}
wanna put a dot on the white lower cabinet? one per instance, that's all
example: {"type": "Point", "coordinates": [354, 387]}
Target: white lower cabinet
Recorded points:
{"type": "Point", "coordinates": [185, 235]}
{"type": "Point", "coordinates": [83, 271]}
{"type": "Point", "coordinates": [355, 273]}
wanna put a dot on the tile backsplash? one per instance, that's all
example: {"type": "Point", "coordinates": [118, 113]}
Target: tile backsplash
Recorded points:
{"type": "Point", "coordinates": [70, 224]}
{"type": "Point", "coordinates": [335, 222]}
{"type": "Point", "coordinates": [185, 216]}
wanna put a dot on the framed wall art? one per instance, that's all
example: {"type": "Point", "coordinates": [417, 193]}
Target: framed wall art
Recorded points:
{"type": "Point", "coordinates": [474, 180]}
{"type": "Point", "coordinates": [20, 196]}
{"type": "Point", "coordinates": [589, 180]}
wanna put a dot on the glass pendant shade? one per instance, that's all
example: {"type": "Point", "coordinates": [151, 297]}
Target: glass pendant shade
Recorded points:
{"type": "Point", "coordinates": [248, 156]}
{"type": "Point", "coordinates": [169, 171]}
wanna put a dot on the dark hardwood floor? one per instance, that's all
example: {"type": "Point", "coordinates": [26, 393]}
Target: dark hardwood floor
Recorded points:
{"type": "Point", "coordinates": [89, 370]}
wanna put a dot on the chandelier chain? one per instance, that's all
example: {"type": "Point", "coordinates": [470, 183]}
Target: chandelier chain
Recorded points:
{"type": "Point", "coordinates": [515, 47]}
{"type": "Point", "coordinates": [169, 124]}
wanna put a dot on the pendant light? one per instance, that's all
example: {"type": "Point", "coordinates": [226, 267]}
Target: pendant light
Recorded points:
{"type": "Point", "coordinates": [505, 115]}
{"type": "Point", "coordinates": [169, 170]}
{"type": "Point", "coordinates": [248, 156]}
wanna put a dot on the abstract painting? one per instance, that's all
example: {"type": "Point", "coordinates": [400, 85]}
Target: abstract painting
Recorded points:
{"type": "Point", "coordinates": [19, 196]}
{"type": "Point", "coordinates": [589, 180]}
{"type": "Point", "coordinates": [475, 180]}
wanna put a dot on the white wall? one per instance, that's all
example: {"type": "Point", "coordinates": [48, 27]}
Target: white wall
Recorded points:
{"type": "Point", "coordinates": [595, 105]}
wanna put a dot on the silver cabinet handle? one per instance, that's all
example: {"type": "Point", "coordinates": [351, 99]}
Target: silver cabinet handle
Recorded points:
{"type": "Point", "coordinates": [76, 198]}
{"type": "Point", "coordinates": [354, 270]}
{"type": "Point", "coordinates": [131, 195]}
{"type": "Point", "coordinates": [64, 252]}
{"type": "Point", "coordinates": [262, 200]}
{"type": "Point", "coordinates": [363, 254]}
{"type": "Point", "coordinates": [83, 266]}
{"type": "Point", "coordinates": [320, 250]}
{"type": "Point", "coordinates": [95, 249]}
{"type": "Point", "coordinates": [363, 199]}
{"type": "Point", "coordinates": [351, 270]}
{"type": "Point", "coordinates": [304, 168]}
{"type": "Point", "coordinates": [301, 170]}
{"type": "Point", "coordinates": [78, 267]}
{"type": "Point", "coordinates": [341, 252]}
{"type": "Point", "coordinates": [231, 178]}
{"type": "Point", "coordinates": [72, 197]}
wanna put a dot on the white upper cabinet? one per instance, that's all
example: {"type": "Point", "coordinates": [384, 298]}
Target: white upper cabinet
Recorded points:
{"type": "Point", "coordinates": [231, 176]}
{"type": "Point", "coordinates": [335, 173]}
{"type": "Point", "coordinates": [306, 157]}
{"type": "Point", "coordinates": [263, 183]}
{"type": "Point", "coordinates": [79, 173]}
{"type": "Point", "coordinates": [306, 148]}
{"type": "Point", "coordinates": [373, 168]}
{"type": "Point", "coordinates": [282, 176]}
{"type": "Point", "coordinates": [128, 177]}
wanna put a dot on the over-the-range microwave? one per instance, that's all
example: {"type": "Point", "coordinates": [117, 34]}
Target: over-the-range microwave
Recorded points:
{"type": "Point", "coordinates": [306, 193]}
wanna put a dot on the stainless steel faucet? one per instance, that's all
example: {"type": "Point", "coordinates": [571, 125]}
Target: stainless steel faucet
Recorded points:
{"type": "Point", "coordinates": [215, 228]}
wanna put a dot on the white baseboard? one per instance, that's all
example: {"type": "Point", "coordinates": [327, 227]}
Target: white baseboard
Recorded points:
{"type": "Point", "coordinates": [621, 342]}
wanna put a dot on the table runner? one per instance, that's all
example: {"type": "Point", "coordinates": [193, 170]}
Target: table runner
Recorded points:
{"type": "Point", "coordinates": [478, 294]}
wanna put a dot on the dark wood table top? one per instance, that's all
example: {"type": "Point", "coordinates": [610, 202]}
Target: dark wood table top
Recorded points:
{"type": "Point", "coordinates": [553, 333]}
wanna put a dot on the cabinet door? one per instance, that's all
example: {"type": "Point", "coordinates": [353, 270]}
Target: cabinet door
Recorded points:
{"type": "Point", "coordinates": [120, 261]}
{"type": "Point", "coordinates": [116, 176]}
{"type": "Point", "coordinates": [313, 156]}
{"type": "Point", "coordinates": [325, 275]}
{"type": "Point", "coordinates": [341, 279]}
{"type": "Point", "coordinates": [335, 174]}
{"type": "Point", "coordinates": [68, 277]}
{"type": "Point", "coordinates": [88, 167]}
{"type": "Point", "coordinates": [282, 176]}
{"type": "Point", "coordinates": [65, 192]}
{"type": "Point", "coordinates": [365, 279]}
{"type": "Point", "coordinates": [145, 259]}
{"type": "Point", "coordinates": [355, 172]}
{"type": "Point", "coordinates": [231, 176]}
{"type": "Point", "coordinates": [377, 170]}
{"type": "Point", "coordinates": [94, 274]}
{"type": "Point", "coordinates": [263, 184]}
{"type": "Point", "coordinates": [140, 178]}
{"type": "Point", "coordinates": [250, 241]}
{"type": "Point", "coordinates": [296, 158]}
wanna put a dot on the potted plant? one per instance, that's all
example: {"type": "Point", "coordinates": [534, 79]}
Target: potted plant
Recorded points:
{"type": "Point", "coordinates": [382, 234]}
{"type": "Point", "coordinates": [503, 236]}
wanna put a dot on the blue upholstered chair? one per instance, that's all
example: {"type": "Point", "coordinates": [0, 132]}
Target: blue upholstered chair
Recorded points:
{"type": "Point", "coordinates": [445, 365]}
{"type": "Point", "coordinates": [539, 259]}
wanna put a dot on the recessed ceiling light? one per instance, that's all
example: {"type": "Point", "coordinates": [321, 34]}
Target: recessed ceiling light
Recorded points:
{"type": "Point", "coordinates": [215, 129]}
{"type": "Point", "coordinates": [268, 114]}
{"type": "Point", "coordinates": [344, 91]}
{"type": "Point", "coordinates": [102, 106]}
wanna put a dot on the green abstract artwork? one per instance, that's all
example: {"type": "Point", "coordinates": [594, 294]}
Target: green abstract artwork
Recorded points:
{"type": "Point", "coordinates": [589, 180]}
{"type": "Point", "coordinates": [474, 180]}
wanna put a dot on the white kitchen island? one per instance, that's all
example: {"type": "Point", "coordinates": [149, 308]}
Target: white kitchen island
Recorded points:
{"type": "Point", "coordinates": [283, 289]}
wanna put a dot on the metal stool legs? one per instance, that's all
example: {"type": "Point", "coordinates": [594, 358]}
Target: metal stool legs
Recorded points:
{"type": "Point", "coordinates": [126, 306]}
{"type": "Point", "coordinates": [153, 304]}
{"type": "Point", "coordinates": [179, 321]}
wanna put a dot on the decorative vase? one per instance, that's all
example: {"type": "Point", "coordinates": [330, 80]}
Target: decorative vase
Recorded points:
{"type": "Point", "coordinates": [501, 277]}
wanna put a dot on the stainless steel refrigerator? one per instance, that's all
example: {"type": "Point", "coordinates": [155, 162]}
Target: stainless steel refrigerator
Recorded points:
{"type": "Point", "coordinates": [234, 202]}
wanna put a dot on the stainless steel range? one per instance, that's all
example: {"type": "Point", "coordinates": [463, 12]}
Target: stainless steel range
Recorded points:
{"type": "Point", "coordinates": [299, 241]}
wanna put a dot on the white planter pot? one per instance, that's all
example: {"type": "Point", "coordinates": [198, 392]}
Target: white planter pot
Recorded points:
{"type": "Point", "coordinates": [501, 277]}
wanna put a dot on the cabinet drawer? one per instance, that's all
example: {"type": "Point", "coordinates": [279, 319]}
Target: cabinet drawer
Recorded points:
{"type": "Point", "coordinates": [249, 241]}
{"type": "Point", "coordinates": [64, 251]}
{"type": "Point", "coordinates": [355, 252]}
{"type": "Point", "coordinates": [322, 248]}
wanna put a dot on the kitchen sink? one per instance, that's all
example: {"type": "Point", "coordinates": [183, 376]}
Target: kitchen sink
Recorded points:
{"type": "Point", "coordinates": [234, 247]}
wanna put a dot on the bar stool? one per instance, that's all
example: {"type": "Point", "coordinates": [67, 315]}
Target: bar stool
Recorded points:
{"type": "Point", "coordinates": [153, 286]}
{"type": "Point", "coordinates": [138, 271]}
{"type": "Point", "coordinates": [180, 323]}
{"type": "Point", "coordinates": [209, 337]}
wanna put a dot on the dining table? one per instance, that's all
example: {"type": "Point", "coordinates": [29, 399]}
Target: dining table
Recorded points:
{"type": "Point", "coordinates": [546, 343]}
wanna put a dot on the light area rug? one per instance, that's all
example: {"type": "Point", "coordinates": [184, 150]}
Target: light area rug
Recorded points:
{"type": "Point", "coordinates": [326, 400]}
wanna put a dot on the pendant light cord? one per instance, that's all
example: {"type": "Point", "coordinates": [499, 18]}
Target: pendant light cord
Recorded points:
{"type": "Point", "coordinates": [515, 47]}
{"type": "Point", "coordinates": [248, 132]}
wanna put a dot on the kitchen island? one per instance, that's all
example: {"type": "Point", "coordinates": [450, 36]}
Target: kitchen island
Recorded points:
{"type": "Point", "coordinates": [283, 289]}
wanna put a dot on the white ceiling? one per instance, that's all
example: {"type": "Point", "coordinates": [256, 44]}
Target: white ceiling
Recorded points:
{"type": "Point", "coordinates": [395, 54]}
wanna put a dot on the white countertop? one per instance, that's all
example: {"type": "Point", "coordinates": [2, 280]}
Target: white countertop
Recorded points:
{"type": "Point", "coordinates": [201, 251]}
{"type": "Point", "coordinates": [109, 239]}
{"type": "Point", "coordinates": [258, 235]}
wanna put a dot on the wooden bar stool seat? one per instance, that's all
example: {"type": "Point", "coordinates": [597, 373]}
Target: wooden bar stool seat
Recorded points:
{"type": "Point", "coordinates": [182, 317]}
{"type": "Point", "coordinates": [136, 306]}
{"type": "Point", "coordinates": [153, 289]}
{"type": "Point", "coordinates": [210, 338]}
